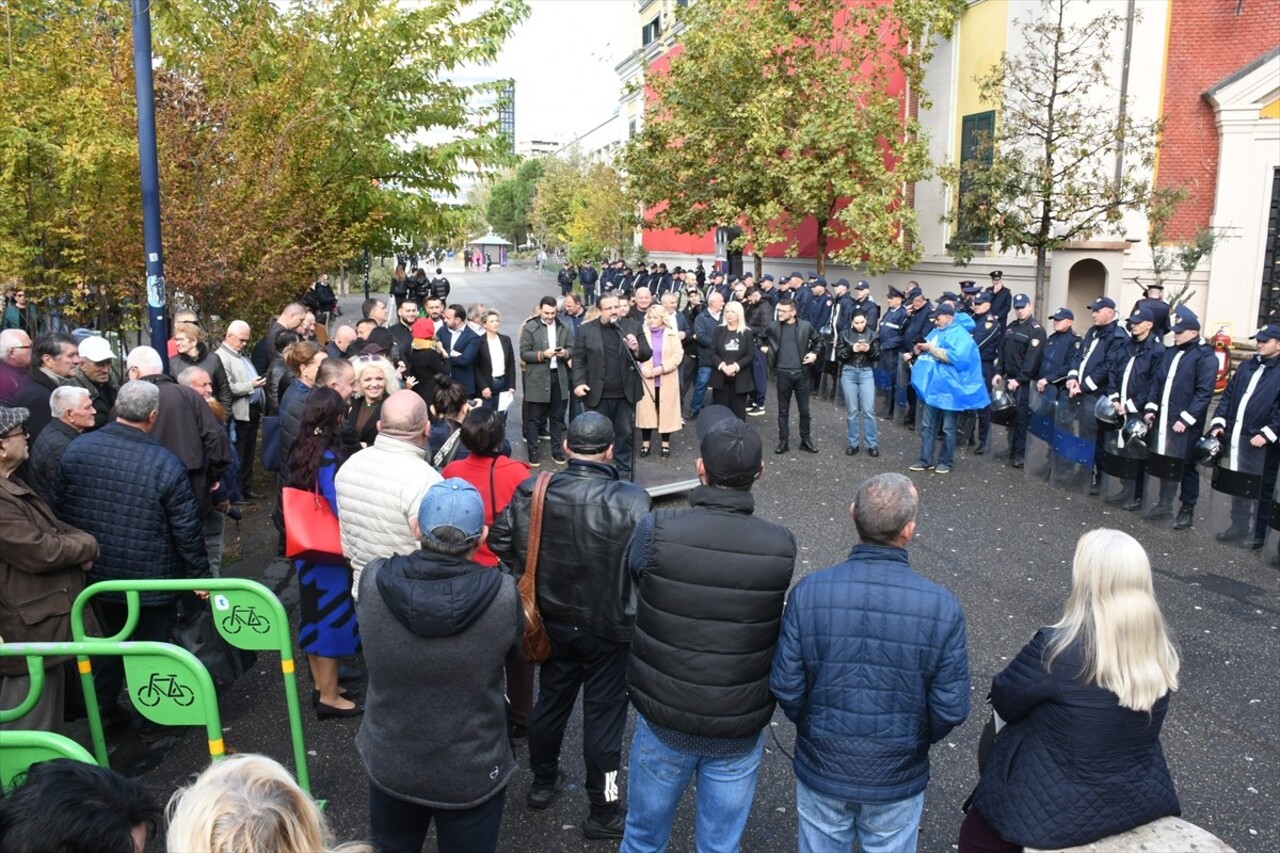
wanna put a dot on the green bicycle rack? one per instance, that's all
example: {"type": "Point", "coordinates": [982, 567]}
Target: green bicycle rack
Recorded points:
{"type": "Point", "coordinates": [248, 616]}
{"type": "Point", "coordinates": [167, 684]}
{"type": "Point", "coordinates": [20, 749]}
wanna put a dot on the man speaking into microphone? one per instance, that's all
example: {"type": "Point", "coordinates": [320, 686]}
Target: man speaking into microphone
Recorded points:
{"type": "Point", "coordinates": [605, 375]}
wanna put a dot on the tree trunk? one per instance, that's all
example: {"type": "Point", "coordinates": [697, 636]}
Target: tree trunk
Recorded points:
{"type": "Point", "coordinates": [822, 246]}
{"type": "Point", "coordinates": [759, 265]}
{"type": "Point", "coordinates": [1042, 284]}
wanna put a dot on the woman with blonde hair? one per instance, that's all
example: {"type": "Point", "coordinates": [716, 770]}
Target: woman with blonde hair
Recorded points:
{"type": "Point", "coordinates": [376, 380]}
{"type": "Point", "coordinates": [659, 406]}
{"type": "Point", "coordinates": [733, 350]}
{"type": "Point", "coordinates": [245, 804]}
{"type": "Point", "coordinates": [1079, 758]}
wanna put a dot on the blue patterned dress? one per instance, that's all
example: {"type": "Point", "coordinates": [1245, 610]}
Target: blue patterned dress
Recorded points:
{"type": "Point", "coordinates": [327, 612]}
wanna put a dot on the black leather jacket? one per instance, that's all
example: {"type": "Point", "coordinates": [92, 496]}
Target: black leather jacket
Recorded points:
{"type": "Point", "coordinates": [844, 348]}
{"type": "Point", "coordinates": [586, 526]}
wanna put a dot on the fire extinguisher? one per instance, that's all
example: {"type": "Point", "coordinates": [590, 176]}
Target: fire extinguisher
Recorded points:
{"type": "Point", "coordinates": [1222, 349]}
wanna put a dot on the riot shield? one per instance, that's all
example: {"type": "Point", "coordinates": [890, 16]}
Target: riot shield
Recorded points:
{"type": "Point", "coordinates": [1123, 468]}
{"type": "Point", "coordinates": [1237, 492]}
{"type": "Point", "coordinates": [900, 403]}
{"type": "Point", "coordinates": [886, 374]}
{"type": "Point", "coordinates": [1039, 455]}
{"type": "Point", "coordinates": [1075, 436]}
{"type": "Point", "coordinates": [1166, 465]}
{"type": "Point", "coordinates": [1271, 551]}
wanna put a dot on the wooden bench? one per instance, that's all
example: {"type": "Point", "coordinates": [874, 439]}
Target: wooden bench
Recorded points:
{"type": "Point", "coordinates": [1165, 834]}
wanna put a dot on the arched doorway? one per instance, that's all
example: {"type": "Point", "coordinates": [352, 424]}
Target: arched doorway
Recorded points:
{"type": "Point", "coordinates": [1086, 281]}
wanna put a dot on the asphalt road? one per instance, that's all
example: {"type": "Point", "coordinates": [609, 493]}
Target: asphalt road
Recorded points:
{"type": "Point", "coordinates": [1001, 543]}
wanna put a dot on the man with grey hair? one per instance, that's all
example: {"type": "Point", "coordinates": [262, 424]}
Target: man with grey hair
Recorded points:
{"type": "Point", "coordinates": [871, 666]}
{"type": "Point", "coordinates": [72, 410]}
{"type": "Point", "coordinates": [247, 398]}
{"type": "Point", "coordinates": [291, 317]}
{"type": "Point", "coordinates": [214, 521]}
{"type": "Point", "coordinates": [94, 375]}
{"type": "Point", "coordinates": [186, 426]}
{"type": "Point", "coordinates": [135, 498]}
{"type": "Point", "coordinates": [379, 488]}
{"type": "Point", "coordinates": [15, 360]}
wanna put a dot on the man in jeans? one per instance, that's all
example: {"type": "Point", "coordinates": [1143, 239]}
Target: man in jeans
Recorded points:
{"type": "Point", "coordinates": [947, 376]}
{"type": "Point", "coordinates": [704, 329]}
{"type": "Point", "coordinates": [702, 697]}
{"type": "Point", "coordinates": [872, 668]}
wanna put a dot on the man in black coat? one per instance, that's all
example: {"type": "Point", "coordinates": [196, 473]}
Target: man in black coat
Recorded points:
{"type": "Point", "coordinates": [702, 697]}
{"type": "Point", "coordinates": [605, 376]}
{"type": "Point", "coordinates": [791, 345]}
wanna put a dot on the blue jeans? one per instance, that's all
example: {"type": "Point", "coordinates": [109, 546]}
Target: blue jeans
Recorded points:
{"type": "Point", "coordinates": [929, 433]}
{"type": "Point", "coordinates": [827, 823]}
{"type": "Point", "coordinates": [859, 386]}
{"type": "Point", "coordinates": [700, 383]}
{"type": "Point", "coordinates": [657, 779]}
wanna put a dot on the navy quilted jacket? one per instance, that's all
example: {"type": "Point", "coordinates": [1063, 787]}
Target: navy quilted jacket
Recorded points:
{"type": "Point", "coordinates": [1072, 766]}
{"type": "Point", "coordinates": [872, 668]}
{"type": "Point", "coordinates": [134, 496]}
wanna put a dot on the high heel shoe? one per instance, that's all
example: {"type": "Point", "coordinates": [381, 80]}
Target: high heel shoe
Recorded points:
{"type": "Point", "coordinates": [666, 451]}
{"type": "Point", "coordinates": [328, 712]}
{"type": "Point", "coordinates": [644, 451]}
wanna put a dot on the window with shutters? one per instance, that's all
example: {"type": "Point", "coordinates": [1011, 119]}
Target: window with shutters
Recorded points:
{"type": "Point", "coordinates": [975, 139]}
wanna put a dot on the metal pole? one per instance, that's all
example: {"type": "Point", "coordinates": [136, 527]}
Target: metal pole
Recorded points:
{"type": "Point", "coordinates": [1124, 93]}
{"type": "Point", "coordinates": [148, 160]}
{"type": "Point", "coordinates": [366, 273]}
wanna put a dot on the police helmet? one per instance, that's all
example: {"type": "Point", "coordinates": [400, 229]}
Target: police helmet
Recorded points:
{"type": "Point", "coordinates": [1134, 432]}
{"type": "Point", "coordinates": [1207, 451]}
{"type": "Point", "coordinates": [1003, 408]}
{"type": "Point", "coordinates": [1105, 413]}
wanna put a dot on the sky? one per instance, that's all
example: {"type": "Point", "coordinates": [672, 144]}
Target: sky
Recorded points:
{"type": "Point", "coordinates": [563, 58]}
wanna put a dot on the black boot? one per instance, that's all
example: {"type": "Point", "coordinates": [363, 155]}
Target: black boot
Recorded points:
{"type": "Point", "coordinates": [1183, 521]}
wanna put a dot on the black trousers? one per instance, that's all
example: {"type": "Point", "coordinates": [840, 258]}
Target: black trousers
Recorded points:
{"type": "Point", "coordinates": [736, 402]}
{"type": "Point", "coordinates": [793, 382]}
{"type": "Point", "coordinates": [398, 826]}
{"type": "Point", "coordinates": [1022, 420]}
{"type": "Point", "coordinates": [155, 622]}
{"type": "Point", "coordinates": [622, 412]}
{"type": "Point", "coordinates": [540, 413]}
{"type": "Point", "coordinates": [598, 667]}
{"type": "Point", "coordinates": [246, 439]}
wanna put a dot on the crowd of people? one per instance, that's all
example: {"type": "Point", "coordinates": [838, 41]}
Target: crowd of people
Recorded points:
{"type": "Point", "coordinates": [397, 428]}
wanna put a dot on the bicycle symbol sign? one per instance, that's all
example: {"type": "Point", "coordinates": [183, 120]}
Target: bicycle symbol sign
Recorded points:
{"type": "Point", "coordinates": [242, 616]}
{"type": "Point", "coordinates": [165, 687]}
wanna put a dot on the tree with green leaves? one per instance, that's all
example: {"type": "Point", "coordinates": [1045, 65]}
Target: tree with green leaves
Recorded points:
{"type": "Point", "coordinates": [782, 112]}
{"type": "Point", "coordinates": [1048, 174]}
{"type": "Point", "coordinates": [511, 202]}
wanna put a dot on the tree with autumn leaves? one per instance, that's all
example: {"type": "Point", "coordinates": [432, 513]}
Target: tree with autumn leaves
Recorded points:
{"type": "Point", "coordinates": [290, 138]}
{"type": "Point", "coordinates": [772, 112]}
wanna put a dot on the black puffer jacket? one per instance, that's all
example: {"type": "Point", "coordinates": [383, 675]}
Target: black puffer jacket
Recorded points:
{"type": "Point", "coordinates": [587, 522]}
{"type": "Point", "coordinates": [1071, 766]}
{"type": "Point", "coordinates": [712, 583]}
{"type": "Point", "coordinates": [135, 499]}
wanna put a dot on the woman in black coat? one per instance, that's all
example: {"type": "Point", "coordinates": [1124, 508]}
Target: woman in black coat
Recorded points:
{"type": "Point", "coordinates": [193, 351]}
{"type": "Point", "coordinates": [375, 381]}
{"type": "Point", "coordinates": [733, 349]}
{"type": "Point", "coordinates": [496, 365]}
{"type": "Point", "coordinates": [1079, 757]}
{"type": "Point", "coordinates": [427, 360]}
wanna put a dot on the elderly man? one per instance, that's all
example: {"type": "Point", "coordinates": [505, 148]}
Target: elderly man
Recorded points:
{"type": "Point", "coordinates": [872, 667]}
{"type": "Point", "coordinates": [947, 376]}
{"type": "Point", "coordinates": [135, 498]}
{"type": "Point", "coordinates": [43, 563]}
{"type": "Point", "coordinates": [585, 596]}
{"type": "Point", "coordinates": [214, 521]}
{"type": "Point", "coordinates": [15, 362]}
{"type": "Point", "coordinates": [380, 487]}
{"type": "Point", "coordinates": [73, 412]}
{"type": "Point", "coordinates": [290, 318]}
{"type": "Point", "coordinates": [54, 360]}
{"type": "Point", "coordinates": [94, 375]}
{"type": "Point", "coordinates": [704, 329]}
{"type": "Point", "coordinates": [247, 398]}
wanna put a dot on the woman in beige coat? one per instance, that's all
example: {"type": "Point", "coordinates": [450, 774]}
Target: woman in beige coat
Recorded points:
{"type": "Point", "coordinates": [661, 381]}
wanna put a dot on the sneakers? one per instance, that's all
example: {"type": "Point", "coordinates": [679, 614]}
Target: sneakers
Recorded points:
{"type": "Point", "coordinates": [942, 469]}
{"type": "Point", "coordinates": [873, 452]}
{"type": "Point", "coordinates": [540, 796]}
{"type": "Point", "coordinates": [612, 827]}
{"type": "Point", "coordinates": [753, 411]}
{"type": "Point", "coordinates": [920, 466]}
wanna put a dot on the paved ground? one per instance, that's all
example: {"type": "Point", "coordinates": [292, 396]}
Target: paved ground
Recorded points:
{"type": "Point", "coordinates": [1002, 544]}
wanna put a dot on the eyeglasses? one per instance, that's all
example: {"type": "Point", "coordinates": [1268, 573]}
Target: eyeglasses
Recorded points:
{"type": "Point", "coordinates": [23, 346]}
{"type": "Point", "coordinates": [21, 432]}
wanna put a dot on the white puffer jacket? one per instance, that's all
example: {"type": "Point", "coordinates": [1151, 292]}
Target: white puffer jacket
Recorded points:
{"type": "Point", "coordinates": [379, 489]}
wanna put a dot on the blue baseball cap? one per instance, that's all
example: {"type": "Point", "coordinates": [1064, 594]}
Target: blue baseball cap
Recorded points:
{"type": "Point", "coordinates": [1102, 302]}
{"type": "Point", "coordinates": [1142, 314]}
{"type": "Point", "coordinates": [983, 298]}
{"type": "Point", "coordinates": [1021, 300]}
{"type": "Point", "coordinates": [862, 284]}
{"type": "Point", "coordinates": [766, 277]}
{"type": "Point", "coordinates": [1269, 332]}
{"type": "Point", "coordinates": [1185, 320]}
{"type": "Point", "coordinates": [451, 504]}
{"type": "Point", "coordinates": [1063, 314]}
{"type": "Point", "coordinates": [942, 308]}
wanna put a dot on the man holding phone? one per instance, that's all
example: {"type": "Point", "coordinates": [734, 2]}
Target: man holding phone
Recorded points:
{"type": "Point", "coordinates": [544, 351]}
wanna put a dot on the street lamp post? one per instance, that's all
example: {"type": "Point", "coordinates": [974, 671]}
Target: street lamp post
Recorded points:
{"type": "Point", "coordinates": [148, 160]}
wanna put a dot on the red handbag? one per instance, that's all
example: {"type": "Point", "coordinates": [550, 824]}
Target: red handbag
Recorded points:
{"type": "Point", "coordinates": [310, 527]}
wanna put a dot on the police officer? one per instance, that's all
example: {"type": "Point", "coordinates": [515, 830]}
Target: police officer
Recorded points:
{"type": "Point", "coordinates": [1248, 413]}
{"type": "Point", "coordinates": [1001, 299]}
{"type": "Point", "coordinates": [1178, 401]}
{"type": "Point", "coordinates": [589, 277]}
{"type": "Point", "coordinates": [1105, 346]}
{"type": "Point", "coordinates": [969, 290]}
{"type": "Point", "coordinates": [891, 342]}
{"type": "Point", "coordinates": [864, 304]}
{"type": "Point", "coordinates": [565, 278]}
{"type": "Point", "coordinates": [1062, 351]}
{"type": "Point", "coordinates": [1154, 301]}
{"type": "Point", "coordinates": [1018, 364]}
{"type": "Point", "coordinates": [989, 338]}
{"type": "Point", "coordinates": [1131, 388]}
